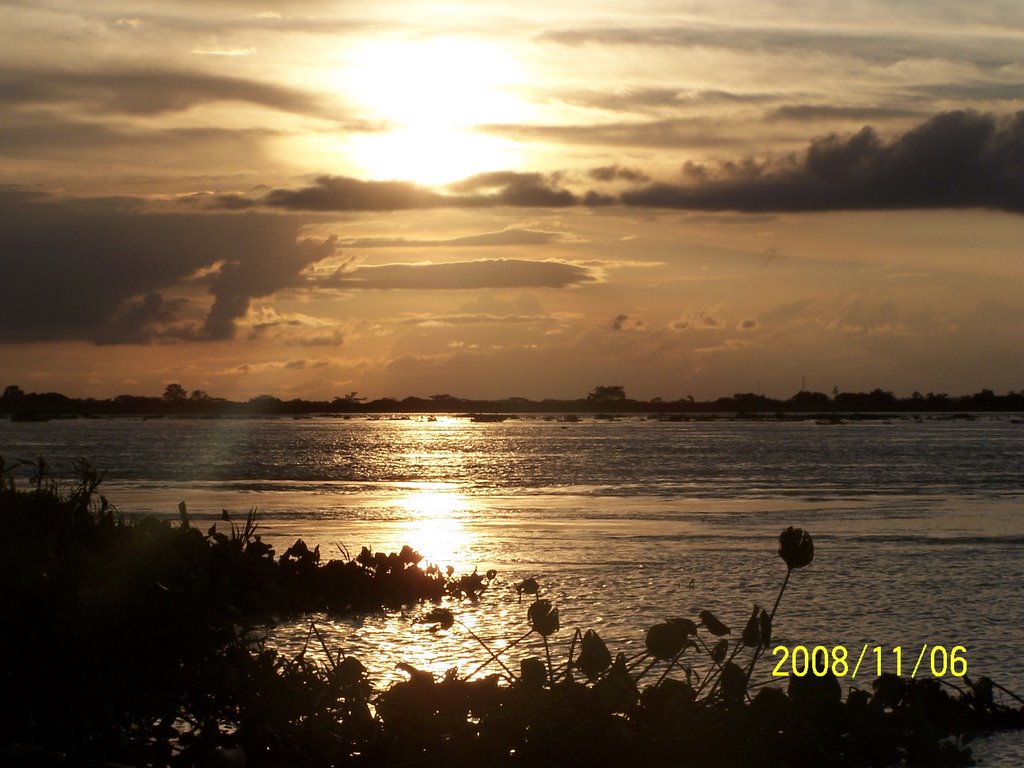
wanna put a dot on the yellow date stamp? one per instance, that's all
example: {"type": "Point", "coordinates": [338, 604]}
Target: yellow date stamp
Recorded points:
{"type": "Point", "coordinates": [820, 660]}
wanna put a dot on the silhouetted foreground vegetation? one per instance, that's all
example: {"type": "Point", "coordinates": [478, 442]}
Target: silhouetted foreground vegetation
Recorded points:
{"type": "Point", "coordinates": [32, 406]}
{"type": "Point", "coordinates": [124, 646]}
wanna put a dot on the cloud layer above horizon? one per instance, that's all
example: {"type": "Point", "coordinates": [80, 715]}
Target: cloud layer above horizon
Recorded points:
{"type": "Point", "coordinates": [681, 199]}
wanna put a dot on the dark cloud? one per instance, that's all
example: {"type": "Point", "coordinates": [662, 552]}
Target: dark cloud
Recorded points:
{"type": "Point", "coordinates": [68, 138]}
{"type": "Point", "coordinates": [258, 272]}
{"type": "Point", "coordinates": [305, 18]}
{"type": "Point", "coordinates": [670, 133]}
{"type": "Point", "coordinates": [225, 202]}
{"type": "Point", "coordinates": [298, 364]}
{"type": "Point", "coordinates": [517, 189]}
{"type": "Point", "coordinates": [990, 51]}
{"type": "Point", "coordinates": [20, 134]}
{"type": "Point", "coordinates": [512, 236]}
{"type": "Point", "coordinates": [146, 91]}
{"type": "Point", "coordinates": [803, 112]}
{"type": "Point", "coordinates": [954, 160]}
{"type": "Point", "coordinates": [698, 320]}
{"type": "Point", "coordinates": [482, 273]}
{"type": "Point", "coordinates": [108, 271]}
{"type": "Point", "coordinates": [141, 320]}
{"type": "Point", "coordinates": [656, 99]}
{"type": "Point", "coordinates": [478, 319]}
{"type": "Point", "coordinates": [957, 159]}
{"type": "Point", "coordinates": [617, 172]}
{"type": "Point", "coordinates": [619, 322]}
{"type": "Point", "coordinates": [974, 91]}
{"type": "Point", "coordinates": [297, 332]}
{"type": "Point", "coordinates": [342, 193]}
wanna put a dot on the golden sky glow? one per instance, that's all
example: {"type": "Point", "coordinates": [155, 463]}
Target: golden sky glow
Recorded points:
{"type": "Point", "coordinates": [432, 93]}
{"type": "Point", "coordinates": [310, 198]}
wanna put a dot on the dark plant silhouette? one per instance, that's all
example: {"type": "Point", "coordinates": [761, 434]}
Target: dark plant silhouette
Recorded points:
{"type": "Point", "coordinates": [686, 699]}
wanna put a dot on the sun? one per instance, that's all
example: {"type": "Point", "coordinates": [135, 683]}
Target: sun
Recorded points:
{"type": "Point", "coordinates": [430, 95]}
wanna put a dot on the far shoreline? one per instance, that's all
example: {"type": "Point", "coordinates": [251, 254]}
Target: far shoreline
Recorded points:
{"type": "Point", "coordinates": [602, 402]}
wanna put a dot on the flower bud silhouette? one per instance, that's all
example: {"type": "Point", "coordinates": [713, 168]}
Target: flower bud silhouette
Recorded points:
{"type": "Point", "coordinates": [796, 547]}
{"type": "Point", "coordinates": [594, 656]}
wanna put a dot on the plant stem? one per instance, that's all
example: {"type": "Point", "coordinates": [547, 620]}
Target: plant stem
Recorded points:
{"type": "Point", "coordinates": [782, 589]}
{"type": "Point", "coordinates": [771, 620]}
{"type": "Point", "coordinates": [547, 652]}
{"type": "Point", "coordinates": [494, 656]}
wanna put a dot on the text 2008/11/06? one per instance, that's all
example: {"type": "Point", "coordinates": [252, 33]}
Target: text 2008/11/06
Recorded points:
{"type": "Point", "coordinates": [819, 660]}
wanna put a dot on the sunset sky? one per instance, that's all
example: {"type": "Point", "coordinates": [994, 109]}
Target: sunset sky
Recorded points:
{"type": "Point", "coordinates": [308, 198]}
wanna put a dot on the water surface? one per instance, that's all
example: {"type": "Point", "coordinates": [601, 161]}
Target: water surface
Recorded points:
{"type": "Point", "coordinates": [917, 525]}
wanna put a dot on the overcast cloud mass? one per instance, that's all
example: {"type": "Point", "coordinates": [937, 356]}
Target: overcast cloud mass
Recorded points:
{"type": "Point", "coordinates": [679, 199]}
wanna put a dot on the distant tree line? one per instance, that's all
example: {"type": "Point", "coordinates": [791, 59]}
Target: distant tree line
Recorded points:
{"type": "Point", "coordinates": [177, 401]}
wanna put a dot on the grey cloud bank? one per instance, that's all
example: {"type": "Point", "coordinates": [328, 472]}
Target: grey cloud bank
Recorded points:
{"type": "Point", "coordinates": [959, 159]}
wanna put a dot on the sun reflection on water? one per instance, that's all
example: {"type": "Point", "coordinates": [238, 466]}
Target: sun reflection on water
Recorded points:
{"type": "Point", "coordinates": [436, 523]}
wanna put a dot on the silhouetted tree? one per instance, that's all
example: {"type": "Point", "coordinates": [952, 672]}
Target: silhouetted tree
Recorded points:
{"type": "Point", "coordinates": [810, 401]}
{"type": "Point", "coordinates": [349, 402]}
{"type": "Point", "coordinates": [607, 394]}
{"type": "Point", "coordinates": [265, 404]}
{"type": "Point", "coordinates": [175, 393]}
{"type": "Point", "coordinates": [986, 399]}
{"type": "Point", "coordinates": [12, 393]}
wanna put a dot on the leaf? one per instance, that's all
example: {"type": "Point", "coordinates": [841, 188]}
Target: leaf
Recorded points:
{"type": "Point", "coordinates": [415, 675]}
{"type": "Point", "coordinates": [617, 690]}
{"type": "Point", "coordinates": [719, 651]}
{"type": "Point", "coordinates": [670, 695]}
{"type": "Point", "coordinates": [888, 690]}
{"type": "Point", "coordinates": [752, 632]}
{"type": "Point", "coordinates": [442, 616]}
{"type": "Point", "coordinates": [532, 672]}
{"type": "Point", "coordinates": [713, 625]}
{"type": "Point", "coordinates": [816, 692]}
{"type": "Point", "coordinates": [349, 671]}
{"type": "Point", "coordinates": [770, 708]}
{"type": "Point", "coordinates": [666, 640]}
{"type": "Point", "coordinates": [686, 624]}
{"type": "Point", "coordinates": [734, 683]}
{"type": "Point", "coordinates": [527, 587]}
{"type": "Point", "coordinates": [765, 620]}
{"type": "Point", "coordinates": [982, 690]}
{"type": "Point", "coordinates": [543, 617]}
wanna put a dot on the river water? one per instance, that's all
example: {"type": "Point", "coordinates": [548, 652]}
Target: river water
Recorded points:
{"type": "Point", "coordinates": [918, 524]}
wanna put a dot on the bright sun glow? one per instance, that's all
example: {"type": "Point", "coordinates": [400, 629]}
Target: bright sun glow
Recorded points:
{"type": "Point", "coordinates": [432, 93]}
{"type": "Point", "coordinates": [436, 529]}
